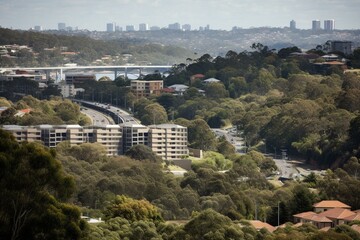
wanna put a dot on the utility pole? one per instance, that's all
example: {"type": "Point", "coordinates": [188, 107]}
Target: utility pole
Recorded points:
{"type": "Point", "coordinates": [278, 213]}
{"type": "Point", "coordinates": [256, 211]}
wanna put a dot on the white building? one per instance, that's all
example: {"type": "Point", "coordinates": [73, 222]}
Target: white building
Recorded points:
{"type": "Point", "coordinates": [143, 27]}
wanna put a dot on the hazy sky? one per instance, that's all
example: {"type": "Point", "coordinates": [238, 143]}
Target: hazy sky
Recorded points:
{"type": "Point", "coordinates": [220, 14]}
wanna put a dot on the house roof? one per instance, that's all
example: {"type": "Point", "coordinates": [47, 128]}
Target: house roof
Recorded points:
{"type": "Point", "coordinates": [211, 80]}
{"type": "Point", "coordinates": [325, 229]}
{"type": "Point", "coordinates": [337, 213]}
{"type": "Point", "coordinates": [299, 224]}
{"type": "Point", "coordinates": [356, 228]}
{"type": "Point", "coordinates": [259, 225]}
{"type": "Point", "coordinates": [168, 90]}
{"type": "Point", "coordinates": [331, 204]}
{"type": "Point", "coordinates": [354, 217]}
{"type": "Point", "coordinates": [320, 219]}
{"type": "Point", "coordinates": [179, 87]}
{"type": "Point", "coordinates": [199, 75]}
{"type": "Point", "coordinates": [305, 215]}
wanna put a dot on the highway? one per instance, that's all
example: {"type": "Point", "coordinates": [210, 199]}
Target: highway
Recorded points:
{"type": "Point", "coordinates": [117, 115]}
{"type": "Point", "coordinates": [97, 118]}
{"type": "Point", "coordinates": [231, 135]}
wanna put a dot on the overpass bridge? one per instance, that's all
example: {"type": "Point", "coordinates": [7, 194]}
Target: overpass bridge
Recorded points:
{"type": "Point", "coordinates": [116, 69]}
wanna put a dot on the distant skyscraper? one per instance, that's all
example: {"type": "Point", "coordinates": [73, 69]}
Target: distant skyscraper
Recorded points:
{"type": "Point", "coordinates": [154, 28]}
{"type": "Point", "coordinates": [143, 27]}
{"type": "Point", "coordinates": [186, 27]}
{"type": "Point", "coordinates": [109, 27]}
{"type": "Point", "coordinates": [316, 25]}
{"type": "Point", "coordinates": [38, 28]}
{"type": "Point", "coordinates": [61, 26]}
{"type": "Point", "coordinates": [329, 25]}
{"type": "Point", "coordinates": [130, 28]}
{"type": "Point", "coordinates": [118, 29]}
{"type": "Point", "coordinates": [292, 25]}
{"type": "Point", "coordinates": [174, 26]}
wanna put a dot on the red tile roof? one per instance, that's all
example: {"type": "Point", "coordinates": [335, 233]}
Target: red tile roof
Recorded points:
{"type": "Point", "coordinates": [325, 229]}
{"type": "Point", "coordinates": [199, 75]}
{"type": "Point", "coordinates": [337, 213]}
{"type": "Point", "coordinates": [305, 215]}
{"type": "Point", "coordinates": [259, 225]}
{"type": "Point", "coordinates": [168, 90]}
{"type": "Point", "coordinates": [26, 110]}
{"type": "Point", "coordinates": [354, 217]}
{"type": "Point", "coordinates": [356, 228]}
{"type": "Point", "coordinates": [331, 204]}
{"type": "Point", "coordinates": [320, 219]}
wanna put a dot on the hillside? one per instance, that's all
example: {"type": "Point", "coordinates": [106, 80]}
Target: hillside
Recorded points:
{"type": "Point", "coordinates": [26, 48]}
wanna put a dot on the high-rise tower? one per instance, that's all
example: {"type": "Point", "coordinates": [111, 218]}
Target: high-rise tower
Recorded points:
{"type": "Point", "coordinates": [316, 25]}
{"type": "Point", "coordinates": [329, 25]}
{"type": "Point", "coordinates": [292, 25]}
{"type": "Point", "coordinates": [109, 27]}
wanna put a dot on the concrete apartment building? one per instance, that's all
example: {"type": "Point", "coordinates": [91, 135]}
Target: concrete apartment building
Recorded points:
{"type": "Point", "coordinates": [142, 88]}
{"type": "Point", "coordinates": [51, 135]}
{"type": "Point", "coordinates": [169, 141]}
{"type": "Point", "coordinates": [134, 134]}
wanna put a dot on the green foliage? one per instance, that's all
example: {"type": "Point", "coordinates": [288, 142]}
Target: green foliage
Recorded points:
{"type": "Point", "coordinates": [142, 152]}
{"type": "Point", "coordinates": [33, 184]}
{"type": "Point", "coordinates": [132, 210]}
{"type": "Point", "coordinates": [55, 111]}
{"type": "Point", "coordinates": [154, 113]}
{"type": "Point", "coordinates": [213, 159]}
{"type": "Point", "coordinates": [200, 135]}
{"type": "Point", "coordinates": [88, 50]}
{"type": "Point", "coordinates": [4, 102]}
{"type": "Point", "coordinates": [212, 225]}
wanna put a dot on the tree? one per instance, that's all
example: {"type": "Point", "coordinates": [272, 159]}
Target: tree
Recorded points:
{"type": "Point", "coordinates": [212, 225]}
{"type": "Point", "coordinates": [32, 184]}
{"type": "Point", "coordinates": [154, 113]}
{"type": "Point", "coordinates": [216, 90]}
{"type": "Point", "coordinates": [200, 136]}
{"type": "Point", "coordinates": [133, 210]}
{"type": "Point", "coordinates": [302, 200]}
{"type": "Point", "coordinates": [142, 152]}
{"type": "Point", "coordinates": [225, 148]}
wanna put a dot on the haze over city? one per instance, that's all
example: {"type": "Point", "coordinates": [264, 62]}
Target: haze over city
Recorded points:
{"type": "Point", "coordinates": [94, 14]}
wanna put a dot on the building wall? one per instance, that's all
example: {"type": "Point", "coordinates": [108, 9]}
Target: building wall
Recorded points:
{"type": "Point", "coordinates": [329, 25]}
{"type": "Point", "coordinates": [169, 141]}
{"type": "Point", "coordinates": [134, 134]}
{"type": "Point", "coordinates": [316, 25]}
{"type": "Point", "coordinates": [142, 88]}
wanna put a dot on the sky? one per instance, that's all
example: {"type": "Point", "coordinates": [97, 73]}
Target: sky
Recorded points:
{"type": "Point", "coordinates": [219, 14]}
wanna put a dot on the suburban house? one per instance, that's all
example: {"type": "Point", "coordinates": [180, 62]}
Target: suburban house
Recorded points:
{"type": "Point", "coordinates": [211, 80]}
{"type": "Point", "coordinates": [179, 89]}
{"type": "Point", "coordinates": [258, 225]}
{"type": "Point", "coordinates": [329, 204]}
{"type": "Point", "coordinates": [327, 214]}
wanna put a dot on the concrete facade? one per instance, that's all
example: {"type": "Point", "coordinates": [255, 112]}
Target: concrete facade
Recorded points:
{"type": "Point", "coordinates": [168, 141]}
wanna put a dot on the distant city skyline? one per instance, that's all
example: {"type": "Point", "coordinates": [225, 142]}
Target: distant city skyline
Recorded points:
{"type": "Point", "coordinates": [94, 14]}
